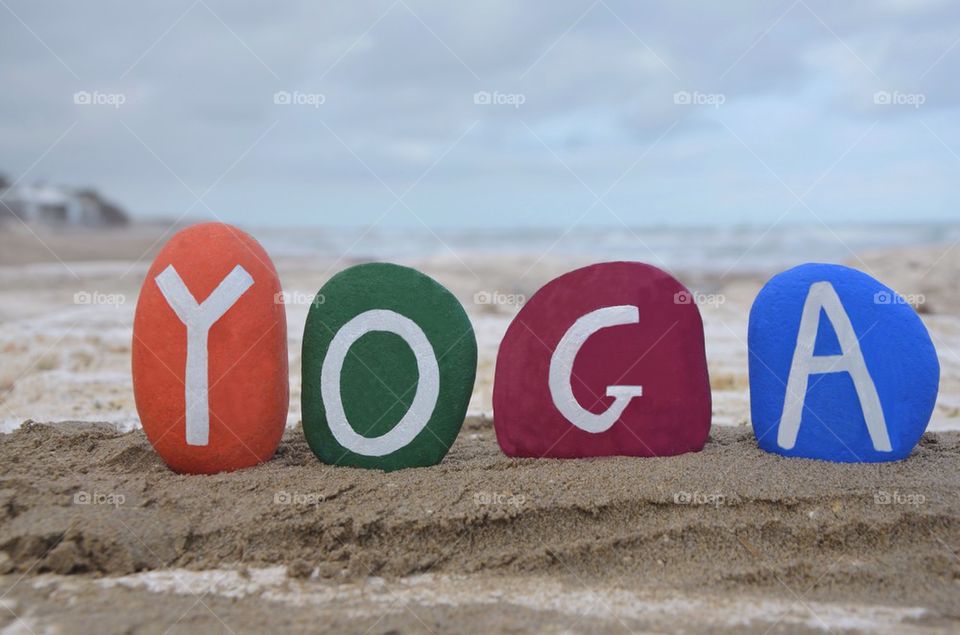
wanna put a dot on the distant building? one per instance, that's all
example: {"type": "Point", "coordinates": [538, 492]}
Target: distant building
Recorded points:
{"type": "Point", "coordinates": [56, 205]}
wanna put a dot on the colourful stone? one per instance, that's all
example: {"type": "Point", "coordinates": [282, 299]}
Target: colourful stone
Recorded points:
{"type": "Point", "coordinates": [212, 396]}
{"type": "Point", "coordinates": [841, 367]}
{"type": "Point", "coordinates": [605, 360]}
{"type": "Point", "coordinates": [389, 360]}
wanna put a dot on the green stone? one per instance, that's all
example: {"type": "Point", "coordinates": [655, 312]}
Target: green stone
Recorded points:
{"type": "Point", "coordinates": [408, 355]}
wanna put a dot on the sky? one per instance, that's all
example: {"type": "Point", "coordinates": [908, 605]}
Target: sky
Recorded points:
{"type": "Point", "coordinates": [489, 113]}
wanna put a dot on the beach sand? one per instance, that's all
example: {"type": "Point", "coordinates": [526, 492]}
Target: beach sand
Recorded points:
{"type": "Point", "coordinates": [97, 535]}
{"type": "Point", "coordinates": [731, 537]}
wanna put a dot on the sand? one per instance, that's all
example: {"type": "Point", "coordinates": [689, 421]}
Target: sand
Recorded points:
{"type": "Point", "coordinates": [96, 535]}
{"type": "Point", "coordinates": [91, 512]}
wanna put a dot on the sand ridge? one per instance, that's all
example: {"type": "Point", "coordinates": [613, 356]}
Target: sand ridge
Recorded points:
{"type": "Point", "coordinates": [84, 499]}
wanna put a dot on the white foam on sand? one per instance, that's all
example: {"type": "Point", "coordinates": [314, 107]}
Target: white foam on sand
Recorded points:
{"type": "Point", "coordinates": [655, 608]}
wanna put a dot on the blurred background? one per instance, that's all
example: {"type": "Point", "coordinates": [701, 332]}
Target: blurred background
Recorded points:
{"type": "Point", "coordinates": [492, 144]}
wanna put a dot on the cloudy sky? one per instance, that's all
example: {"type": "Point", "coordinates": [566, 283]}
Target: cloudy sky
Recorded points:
{"type": "Point", "coordinates": [489, 113]}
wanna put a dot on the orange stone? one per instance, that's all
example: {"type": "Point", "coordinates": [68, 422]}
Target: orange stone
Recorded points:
{"type": "Point", "coordinates": [210, 352]}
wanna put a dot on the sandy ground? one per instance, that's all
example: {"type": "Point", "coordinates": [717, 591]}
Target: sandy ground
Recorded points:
{"type": "Point", "coordinates": [100, 534]}
{"type": "Point", "coordinates": [97, 536]}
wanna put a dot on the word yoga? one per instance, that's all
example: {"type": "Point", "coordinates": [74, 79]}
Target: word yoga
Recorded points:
{"type": "Point", "coordinates": [605, 360]}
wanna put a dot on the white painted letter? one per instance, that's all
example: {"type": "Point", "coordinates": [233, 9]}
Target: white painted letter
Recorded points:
{"type": "Point", "coordinates": [424, 401]}
{"type": "Point", "coordinates": [823, 296]}
{"type": "Point", "coordinates": [561, 370]}
{"type": "Point", "coordinates": [198, 320]}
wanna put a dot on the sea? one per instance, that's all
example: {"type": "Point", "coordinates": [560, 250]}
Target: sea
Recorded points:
{"type": "Point", "coordinates": [723, 249]}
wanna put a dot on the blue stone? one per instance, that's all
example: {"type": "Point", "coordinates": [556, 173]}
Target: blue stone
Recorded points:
{"type": "Point", "coordinates": [841, 367]}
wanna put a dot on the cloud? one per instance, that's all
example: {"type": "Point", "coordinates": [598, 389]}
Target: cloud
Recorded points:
{"type": "Point", "coordinates": [721, 109]}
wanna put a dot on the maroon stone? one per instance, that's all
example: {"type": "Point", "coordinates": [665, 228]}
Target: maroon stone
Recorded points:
{"type": "Point", "coordinates": [634, 338]}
